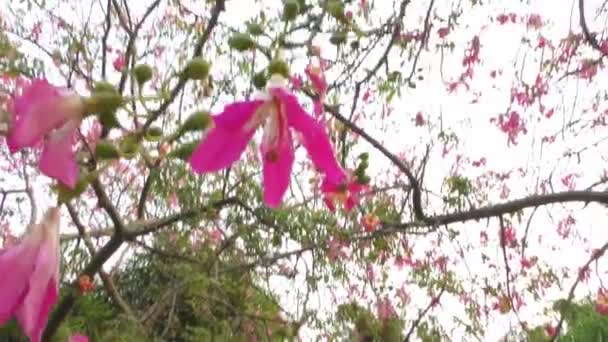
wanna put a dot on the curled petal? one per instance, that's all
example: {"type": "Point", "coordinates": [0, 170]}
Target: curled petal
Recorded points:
{"type": "Point", "coordinates": [18, 261]}
{"type": "Point", "coordinates": [315, 139]}
{"type": "Point", "coordinates": [41, 108]}
{"type": "Point", "coordinates": [228, 138]}
{"type": "Point", "coordinates": [57, 159]}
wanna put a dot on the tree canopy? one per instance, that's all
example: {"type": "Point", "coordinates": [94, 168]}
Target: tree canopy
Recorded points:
{"type": "Point", "coordinates": [448, 178]}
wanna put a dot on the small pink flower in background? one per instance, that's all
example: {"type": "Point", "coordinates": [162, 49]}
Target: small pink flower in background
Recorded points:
{"type": "Point", "coordinates": [443, 32]}
{"type": "Point", "coordinates": [317, 78]}
{"type": "Point", "coordinates": [336, 249]}
{"type": "Point", "coordinates": [93, 134]}
{"type": "Point", "coordinates": [508, 238]}
{"type": "Point", "coordinates": [370, 222]}
{"type": "Point", "coordinates": [550, 330]}
{"type": "Point", "coordinates": [419, 119]}
{"type": "Point", "coordinates": [535, 21]}
{"type": "Point", "coordinates": [79, 338]}
{"type": "Point", "coordinates": [32, 288]}
{"type": "Point", "coordinates": [346, 193]}
{"type": "Point", "coordinates": [173, 200]}
{"type": "Point", "coordinates": [48, 114]}
{"type": "Point", "coordinates": [385, 309]}
{"type": "Point", "coordinates": [119, 62]}
{"type": "Point", "coordinates": [601, 303]}
{"type": "Point", "coordinates": [278, 111]}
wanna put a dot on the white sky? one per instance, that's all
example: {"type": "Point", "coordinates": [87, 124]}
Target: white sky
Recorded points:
{"type": "Point", "coordinates": [500, 48]}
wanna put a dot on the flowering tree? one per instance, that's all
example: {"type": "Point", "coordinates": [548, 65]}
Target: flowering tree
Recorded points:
{"type": "Point", "coordinates": [303, 169]}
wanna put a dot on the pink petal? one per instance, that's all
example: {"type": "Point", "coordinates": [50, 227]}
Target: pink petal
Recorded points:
{"type": "Point", "coordinates": [34, 313]}
{"type": "Point", "coordinates": [227, 140]}
{"type": "Point", "coordinates": [57, 159]}
{"type": "Point", "coordinates": [277, 172]}
{"type": "Point", "coordinates": [41, 108]}
{"type": "Point", "coordinates": [316, 142]}
{"type": "Point", "coordinates": [43, 289]}
{"type": "Point", "coordinates": [18, 261]}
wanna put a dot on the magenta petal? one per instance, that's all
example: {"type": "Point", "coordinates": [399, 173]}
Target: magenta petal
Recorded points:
{"type": "Point", "coordinates": [277, 170]}
{"type": "Point", "coordinates": [228, 138]}
{"type": "Point", "coordinates": [18, 261]}
{"type": "Point", "coordinates": [57, 159]}
{"type": "Point", "coordinates": [316, 142]}
{"type": "Point", "coordinates": [41, 108]}
{"type": "Point", "coordinates": [43, 289]}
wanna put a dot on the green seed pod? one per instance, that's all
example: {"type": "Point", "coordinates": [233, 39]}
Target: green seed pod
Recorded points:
{"type": "Point", "coordinates": [255, 29]}
{"type": "Point", "coordinates": [241, 42]}
{"type": "Point", "coordinates": [104, 86]}
{"type": "Point", "coordinates": [336, 9]}
{"type": "Point", "coordinates": [197, 69]}
{"type": "Point", "coordinates": [196, 122]}
{"type": "Point", "coordinates": [105, 150]}
{"type": "Point", "coordinates": [184, 151]}
{"type": "Point", "coordinates": [290, 10]}
{"type": "Point", "coordinates": [338, 38]}
{"type": "Point", "coordinates": [142, 73]}
{"type": "Point", "coordinates": [129, 146]}
{"type": "Point", "coordinates": [154, 134]}
{"type": "Point", "coordinates": [259, 80]}
{"type": "Point", "coordinates": [279, 67]}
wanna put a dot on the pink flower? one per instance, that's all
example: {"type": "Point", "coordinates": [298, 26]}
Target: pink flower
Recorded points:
{"type": "Point", "coordinates": [317, 78]}
{"type": "Point", "coordinates": [385, 309]}
{"type": "Point", "coordinates": [601, 303]}
{"type": "Point", "coordinates": [119, 62]}
{"type": "Point", "coordinates": [279, 110]}
{"type": "Point", "coordinates": [45, 112]}
{"type": "Point", "coordinates": [79, 338]}
{"type": "Point", "coordinates": [346, 193]}
{"type": "Point", "coordinates": [32, 288]}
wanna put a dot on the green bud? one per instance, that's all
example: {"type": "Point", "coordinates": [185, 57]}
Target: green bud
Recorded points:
{"type": "Point", "coordinates": [103, 102]}
{"type": "Point", "coordinates": [154, 134]}
{"type": "Point", "coordinates": [197, 69]}
{"type": "Point", "coordinates": [65, 194]}
{"type": "Point", "coordinates": [302, 6]}
{"type": "Point", "coordinates": [363, 179]}
{"type": "Point", "coordinates": [241, 42]}
{"type": "Point", "coordinates": [142, 73]}
{"type": "Point", "coordinates": [364, 156]}
{"type": "Point", "coordinates": [259, 80]}
{"type": "Point", "coordinates": [108, 119]}
{"type": "Point", "coordinates": [255, 29]}
{"type": "Point", "coordinates": [290, 10]}
{"type": "Point", "coordinates": [105, 150]}
{"type": "Point", "coordinates": [129, 146]}
{"type": "Point", "coordinates": [104, 86]}
{"type": "Point", "coordinates": [278, 66]}
{"type": "Point", "coordinates": [336, 9]}
{"type": "Point", "coordinates": [196, 122]}
{"type": "Point", "coordinates": [338, 38]}
{"type": "Point", "coordinates": [363, 164]}
{"type": "Point", "coordinates": [184, 151]}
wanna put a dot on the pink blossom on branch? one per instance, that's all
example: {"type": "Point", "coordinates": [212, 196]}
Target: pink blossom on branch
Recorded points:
{"type": "Point", "coordinates": [317, 78]}
{"type": "Point", "coordinates": [279, 111]}
{"type": "Point", "coordinates": [601, 303]}
{"type": "Point", "coordinates": [32, 288]}
{"type": "Point", "coordinates": [346, 193]}
{"type": "Point", "coordinates": [50, 115]}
